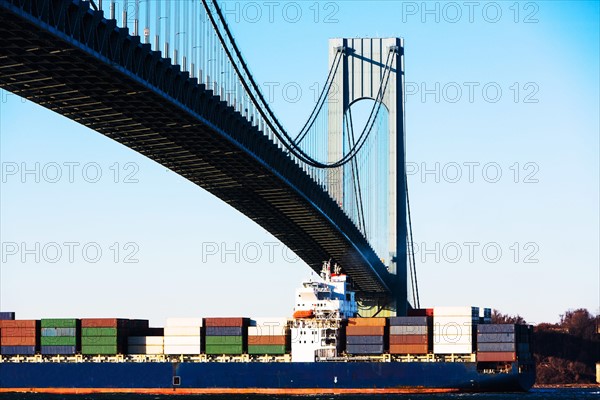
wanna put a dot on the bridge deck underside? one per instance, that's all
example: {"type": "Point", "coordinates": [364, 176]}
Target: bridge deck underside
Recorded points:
{"type": "Point", "coordinates": [103, 78]}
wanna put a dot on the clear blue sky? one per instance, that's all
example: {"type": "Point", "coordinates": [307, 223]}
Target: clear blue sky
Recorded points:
{"type": "Point", "coordinates": [532, 115]}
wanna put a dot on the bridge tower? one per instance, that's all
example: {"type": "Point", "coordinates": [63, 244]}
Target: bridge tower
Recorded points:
{"type": "Point", "coordinates": [359, 76]}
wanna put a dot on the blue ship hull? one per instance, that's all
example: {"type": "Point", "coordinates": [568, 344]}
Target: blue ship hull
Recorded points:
{"type": "Point", "coordinates": [255, 377]}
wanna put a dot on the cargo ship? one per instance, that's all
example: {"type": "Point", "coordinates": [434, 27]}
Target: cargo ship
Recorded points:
{"type": "Point", "coordinates": [324, 348]}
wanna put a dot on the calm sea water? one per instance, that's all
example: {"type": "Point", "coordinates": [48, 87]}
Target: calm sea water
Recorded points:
{"type": "Point", "coordinates": [535, 394]}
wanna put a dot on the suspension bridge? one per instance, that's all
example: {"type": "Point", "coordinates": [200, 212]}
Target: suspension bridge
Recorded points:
{"type": "Point", "coordinates": [167, 79]}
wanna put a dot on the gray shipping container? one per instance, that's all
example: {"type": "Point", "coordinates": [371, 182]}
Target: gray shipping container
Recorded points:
{"type": "Point", "coordinates": [496, 328]}
{"type": "Point", "coordinates": [408, 330]}
{"type": "Point", "coordinates": [409, 321]}
{"type": "Point", "coordinates": [495, 338]}
{"type": "Point", "coordinates": [496, 347]}
{"type": "Point", "coordinates": [365, 349]}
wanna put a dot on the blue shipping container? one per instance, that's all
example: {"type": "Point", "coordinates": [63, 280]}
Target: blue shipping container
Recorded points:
{"type": "Point", "coordinates": [224, 331]}
{"type": "Point", "coordinates": [54, 332]}
{"type": "Point", "coordinates": [351, 340]}
{"type": "Point", "coordinates": [17, 350]}
{"type": "Point", "coordinates": [496, 328]}
{"type": "Point", "coordinates": [364, 349]}
{"type": "Point", "coordinates": [52, 350]}
{"type": "Point", "coordinates": [6, 315]}
{"type": "Point", "coordinates": [495, 338]}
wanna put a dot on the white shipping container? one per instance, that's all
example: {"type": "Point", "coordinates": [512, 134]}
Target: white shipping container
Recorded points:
{"type": "Point", "coordinates": [149, 350]}
{"type": "Point", "coordinates": [182, 331]}
{"type": "Point", "coordinates": [452, 339]}
{"type": "Point", "coordinates": [456, 311]}
{"type": "Point", "coordinates": [452, 349]}
{"type": "Point", "coordinates": [182, 340]}
{"type": "Point", "coordinates": [269, 321]}
{"type": "Point", "coordinates": [146, 340]}
{"type": "Point", "coordinates": [184, 322]}
{"type": "Point", "coordinates": [456, 320]}
{"type": "Point", "coordinates": [170, 349]}
{"type": "Point", "coordinates": [268, 330]}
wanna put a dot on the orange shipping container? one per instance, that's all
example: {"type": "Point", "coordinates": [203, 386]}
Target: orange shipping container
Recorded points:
{"type": "Point", "coordinates": [367, 321]}
{"type": "Point", "coordinates": [365, 331]}
{"type": "Point", "coordinates": [408, 339]}
{"type": "Point", "coordinates": [18, 341]}
{"type": "Point", "coordinates": [225, 321]}
{"type": "Point", "coordinates": [267, 340]}
{"type": "Point", "coordinates": [496, 356]}
{"type": "Point", "coordinates": [14, 332]}
{"type": "Point", "coordinates": [408, 349]}
{"type": "Point", "coordinates": [104, 323]}
{"type": "Point", "coordinates": [19, 324]}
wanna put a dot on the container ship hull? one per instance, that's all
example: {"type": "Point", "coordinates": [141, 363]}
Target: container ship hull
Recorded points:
{"type": "Point", "coordinates": [259, 378]}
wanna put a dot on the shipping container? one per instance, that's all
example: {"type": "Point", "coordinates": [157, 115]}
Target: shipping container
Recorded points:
{"type": "Point", "coordinates": [223, 340]}
{"type": "Point", "coordinates": [266, 330]}
{"type": "Point", "coordinates": [59, 350]}
{"type": "Point", "coordinates": [267, 349]}
{"type": "Point", "coordinates": [229, 349]}
{"type": "Point", "coordinates": [101, 331]}
{"type": "Point", "coordinates": [184, 322]}
{"type": "Point", "coordinates": [365, 331]}
{"type": "Point", "coordinates": [495, 338]}
{"type": "Point", "coordinates": [182, 350]}
{"type": "Point", "coordinates": [104, 323]}
{"type": "Point", "coordinates": [367, 321]}
{"type": "Point", "coordinates": [496, 357]}
{"type": "Point", "coordinates": [452, 348]}
{"type": "Point", "coordinates": [496, 328]}
{"type": "Point", "coordinates": [353, 340]}
{"type": "Point", "coordinates": [59, 341]}
{"type": "Point", "coordinates": [7, 315]}
{"type": "Point", "coordinates": [59, 332]}
{"type": "Point", "coordinates": [408, 349]}
{"type": "Point", "coordinates": [496, 347]}
{"type": "Point", "coordinates": [365, 349]}
{"type": "Point", "coordinates": [268, 340]}
{"type": "Point", "coordinates": [101, 340]}
{"type": "Point", "coordinates": [224, 331]}
{"type": "Point", "coordinates": [20, 324]}
{"type": "Point", "coordinates": [182, 331]}
{"type": "Point", "coordinates": [410, 321]}
{"type": "Point", "coordinates": [409, 330]}
{"type": "Point", "coordinates": [18, 340]}
{"type": "Point", "coordinates": [59, 323]}
{"type": "Point", "coordinates": [210, 322]}
{"type": "Point", "coordinates": [409, 339]}
{"type": "Point", "coordinates": [17, 350]}
{"type": "Point", "coordinates": [183, 340]}
{"type": "Point", "coordinates": [19, 332]}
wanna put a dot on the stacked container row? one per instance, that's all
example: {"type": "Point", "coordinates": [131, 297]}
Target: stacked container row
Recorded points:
{"type": "Point", "coordinates": [454, 328]}
{"type": "Point", "coordinates": [183, 336]}
{"type": "Point", "coordinates": [269, 336]}
{"type": "Point", "coordinates": [108, 336]}
{"type": "Point", "coordinates": [226, 335]}
{"type": "Point", "coordinates": [60, 336]}
{"type": "Point", "coordinates": [19, 337]}
{"type": "Point", "coordinates": [366, 336]}
{"type": "Point", "coordinates": [410, 335]}
{"type": "Point", "coordinates": [502, 342]}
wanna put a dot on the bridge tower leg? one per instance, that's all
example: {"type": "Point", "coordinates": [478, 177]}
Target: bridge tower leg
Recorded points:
{"type": "Point", "coordinates": [359, 77]}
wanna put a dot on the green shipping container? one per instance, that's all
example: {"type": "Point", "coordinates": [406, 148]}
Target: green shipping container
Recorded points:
{"type": "Point", "coordinates": [99, 341]}
{"type": "Point", "coordinates": [224, 349]}
{"type": "Point", "coordinates": [59, 341]}
{"type": "Point", "coordinates": [266, 349]}
{"type": "Point", "coordinates": [224, 340]}
{"type": "Point", "coordinates": [59, 323]}
{"type": "Point", "coordinates": [98, 331]}
{"type": "Point", "coordinates": [99, 350]}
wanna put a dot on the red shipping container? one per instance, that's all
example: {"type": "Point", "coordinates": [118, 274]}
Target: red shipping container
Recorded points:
{"type": "Point", "coordinates": [19, 323]}
{"type": "Point", "coordinates": [225, 322]}
{"type": "Point", "coordinates": [18, 341]}
{"type": "Point", "coordinates": [267, 340]}
{"type": "Point", "coordinates": [408, 349]}
{"type": "Point", "coordinates": [421, 312]}
{"type": "Point", "coordinates": [367, 321]}
{"type": "Point", "coordinates": [496, 356]}
{"type": "Point", "coordinates": [365, 331]}
{"type": "Point", "coordinates": [104, 323]}
{"type": "Point", "coordinates": [408, 339]}
{"type": "Point", "coordinates": [15, 332]}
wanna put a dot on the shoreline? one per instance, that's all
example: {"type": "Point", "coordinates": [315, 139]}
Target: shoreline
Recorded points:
{"type": "Point", "coordinates": [567, 386]}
